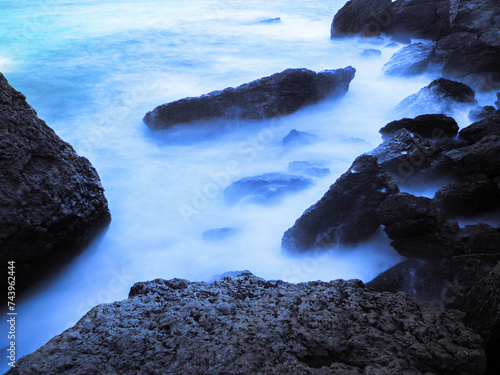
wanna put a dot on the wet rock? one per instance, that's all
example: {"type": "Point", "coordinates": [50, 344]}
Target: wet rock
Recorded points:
{"type": "Point", "coordinates": [480, 113]}
{"type": "Point", "coordinates": [440, 96]}
{"type": "Point", "coordinates": [244, 324]}
{"type": "Point", "coordinates": [266, 188]}
{"type": "Point", "coordinates": [219, 234]}
{"type": "Point", "coordinates": [52, 203]}
{"type": "Point", "coordinates": [371, 52]}
{"type": "Point", "coordinates": [448, 144]}
{"type": "Point", "coordinates": [308, 168]}
{"type": "Point", "coordinates": [478, 130]}
{"type": "Point", "coordinates": [428, 126]}
{"type": "Point", "coordinates": [480, 239]}
{"type": "Point", "coordinates": [277, 95]}
{"type": "Point", "coordinates": [468, 195]}
{"type": "Point", "coordinates": [411, 60]}
{"type": "Point", "coordinates": [346, 213]}
{"type": "Point", "coordinates": [295, 138]}
{"type": "Point", "coordinates": [497, 103]}
{"type": "Point", "coordinates": [401, 39]}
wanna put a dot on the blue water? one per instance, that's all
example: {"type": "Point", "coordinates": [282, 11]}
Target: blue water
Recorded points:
{"type": "Point", "coordinates": [92, 69]}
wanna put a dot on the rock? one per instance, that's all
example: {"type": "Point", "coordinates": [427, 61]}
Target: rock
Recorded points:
{"type": "Point", "coordinates": [468, 196]}
{"type": "Point", "coordinates": [483, 315]}
{"type": "Point", "coordinates": [371, 52]}
{"type": "Point", "coordinates": [270, 20]}
{"type": "Point", "coordinates": [478, 130]}
{"type": "Point", "coordinates": [401, 39]}
{"type": "Point", "coordinates": [391, 45]}
{"type": "Point", "coordinates": [405, 155]}
{"type": "Point", "coordinates": [480, 113]}
{"type": "Point", "coordinates": [418, 229]}
{"type": "Point", "coordinates": [266, 188]}
{"type": "Point", "coordinates": [480, 239]}
{"type": "Point", "coordinates": [247, 325]}
{"type": "Point", "coordinates": [428, 126]}
{"type": "Point", "coordinates": [448, 144]}
{"type": "Point", "coordinates": [497, 103]}
{"type": "Point", "coordinates": [308, 168]}
{"type": "Point", "coordinates": [410, 60]}
{"type": "Point", "coordinates": [296, 137]}
{"type": "Point", "coordinates": [346, 213]}
{"type": "Point", "coordinates": [52, 202]}
{"type": "Point", "coordinates": [440, 96]}
{"type": "Point", "coordinates": [476, 16]}
{"type": "Point", "coordinates": [362, 17]}
{"type": "Point", "coordinates": [219, 234]}
{"type": "Point", "coordinates": [277, 95]}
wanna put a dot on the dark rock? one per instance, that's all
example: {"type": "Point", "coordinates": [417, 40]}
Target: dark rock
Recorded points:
{"type": "Point", "coordinates": [410, 60]}
{"type": "Point", "coordinates": [371, 53]}
{"type": "Point", "coordinates": [346, 213]}
{"type": "Point", "coordinates": [296, 137]}
{"type": "Point", "coordinates": [480, 238]}
{"type": "Point", "coordinates": [277, 95]}
{"type": "Point", "coordinates": [270, 20]}
{"type": "Point", "coordinates": [51, 200]}
{"type": "Point", "coordinates": [480, 113]}
{"type": "Point", "coordinates": [478, 130]}
{"type": "Point", "coordinates": [428, 126]}
{"type": "Point", "coordinates": [266, 188]}
{"type": "Point", "coordinates": [364, 17]}
{"type": "Point", "coordinates": [497, 103]}
{"type": "Point", "coordinates": [448, 144]}
{"type": "Point", "coordinates": [478, 16]}
{"type": "Point", "coordinates": [308, 168]}
{"type": "Point", "coordinates": [418, 229]}
{"type": "Point", "coordinates": [468, 195]}
{"type": "Point", "coordinates": [247, 325]}
{"type": "Point", "coordinates": [405, 155]}
{"type": "Point", "coordinates": [391, 45]}
{"type": "Point", "coordinates": [483, 315]}
{"type": "Point", "coordinates": [219, 234]}
{"type": "Point", "coordinates": [440, 96]}
{"type": "Point", "coordinates": [401, 39]}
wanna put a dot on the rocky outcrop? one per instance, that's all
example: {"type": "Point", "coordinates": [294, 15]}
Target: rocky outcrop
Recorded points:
{"type": "Point", "coordinates": [433, 127]}
{"type": "Point", "coordinates": [346, 213]}
{"type": "Point", "coordinates": [481, 129]}
{"type": "Point", "coordinates": [277, 95]}
{"type": "Point", "coordinates": [52, 202]}
{"type": "Point", "coordinates": [298, 138]}
{"type": "Point", "coordinates": [246, 325]}
{"type": "Point", "coordinates": [410, 60]}
{"type": "Point", "coordinates": [480, 113]}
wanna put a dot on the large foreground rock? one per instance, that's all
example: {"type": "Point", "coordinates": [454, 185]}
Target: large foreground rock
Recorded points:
{"type": "Point", "coordinates": [51, 200]}
{"type": "Point", "coordinates": [346, 213]}
{"type": "Point", "coordinates": [246, 325]}
{"type": "Point", "coordinates": [277, 95]}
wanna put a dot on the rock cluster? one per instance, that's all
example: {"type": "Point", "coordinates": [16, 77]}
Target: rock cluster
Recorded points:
{"type": "Point", "coordinates": [246, 325]}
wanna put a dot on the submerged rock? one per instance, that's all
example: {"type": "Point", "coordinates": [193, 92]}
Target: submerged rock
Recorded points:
{"type": "Point", "coordinates": [247, 325]}
{"type": "Point", "coordinates": [277, 95]}
{"type": "Point", "coordinates": [52, 202]}
{"type": "Point", "coordinates": [371, 52]}
{"type": "Point", "coordinates": [219, 234]}
{"type": "Point", "coordinates": [266, 188]}
{"type": "Point", "coordinates": [480, 113]}
{"type": "Point", "coordinates": [411, 60]}
{"type": "Point", "coordinates": [308, 168]}
{"type": "Point", "coordinates": [296, 137]}
{"type": "Point", "coordinates": [346, 213]}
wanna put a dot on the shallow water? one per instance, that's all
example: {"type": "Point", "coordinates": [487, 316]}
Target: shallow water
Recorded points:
{"type": "Point", "coordinates": [93, 69]}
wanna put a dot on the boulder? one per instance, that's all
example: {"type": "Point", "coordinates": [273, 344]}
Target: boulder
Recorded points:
{"type": "Point", "coordinates": [346, 213]}
{"type": "Point", "coordinates": [277, 95]}
{"type": "Point", "coordinates": [468, 196]}
{"type": "Point", "coordinates": [308, 168]}
{"type": "Point", "coordinates": [480, 129]}
{"type": "Point", "coordinates": [480, 113]}
{"type": "Point", "coordinates": [296, 137]}
{"type": "Point", "coordinates": [266, 188]}
{"type": "Point", "coordinates": [477, 16]}
{"type": "Point", "coordinates": [410, 60]}
{"type": "Point", "coordinates": [428, 126]}
{"type": "Point", "coordinates": [440, 96]}
{"type": "Point", "coordinates": [480, 239]}
{"type": "Point", "coordinates": [247, 325]}
{"type": "Point", "coordinates": [52, 202]}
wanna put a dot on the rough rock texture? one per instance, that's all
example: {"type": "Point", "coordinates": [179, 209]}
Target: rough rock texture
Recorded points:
{"type": "Point", "coordinates": [440, 96]}
{"type": "Point", "coordinates": [246, 325]}
{"type": "Point", "coordinates": [480, 113]}
{"type": "Point", "coordinates": [428, 126]}
{"type": "Point", "coordinates": [266, 188]}
{"type": "Point", "coordinates": [51, 200]}
{"type": "Point", "coordinates": [276, 95]}
{"type": "Point", "coordinates": [346, 213]}
{"type": "Point", "coordinates": [410, 60]}
{"type": "Point", "coordinates": [481, 129]}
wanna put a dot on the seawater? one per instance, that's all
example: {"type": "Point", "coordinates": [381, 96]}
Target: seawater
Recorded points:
{"type": "Point", "coordinates": [92, 69]}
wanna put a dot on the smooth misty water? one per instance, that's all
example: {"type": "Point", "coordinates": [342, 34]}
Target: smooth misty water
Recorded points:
{"type": "Point", "coordinates": [93, 69]}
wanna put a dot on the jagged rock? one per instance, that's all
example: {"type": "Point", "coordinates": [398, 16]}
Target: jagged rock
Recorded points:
{"type": "Point", "coordinates": [52, 202]}
{"type": "Point", "coordinates": [477, 16]}
{"type": "Point", "coordinates": [266, 188]}
{"type": "Point", "coordinates": [346, 213]}
{"type": "Point", "coordinates": [371, 52]}
{"type": "Point", "coordinates": [277, 95]}
{"type": "Point", "coordinates": [308, 168]}
{"type": "Point", "coordinates": [405, 155]}
{"type": "Point", "coordinates": [219, 234]}
{"type": "Point", "coordinates": [478, 130]}
{"type": "Point", "coordinates": [418, 229]}
{"type": "Point", "coordinates": [428, 126]}
{"type": "Point", "coordinates": [410, 60]}
{"type": "Point", "coordinates": [480, 113]}
{"type": "Point", "coordinates": [296, 137]}
{"type": "Point", "coordinates": [480, 239]}
{"type": "Point", "coordinates": [440, 96]}
{"type": "Point", "coordinates": [483, 315]}
{"type": "Point", "coordinates": [247, 325]}
{"type": "Point", "coordinates": [468, 195]}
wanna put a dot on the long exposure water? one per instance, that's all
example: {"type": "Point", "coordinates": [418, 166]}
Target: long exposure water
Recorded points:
{"type": "Point", "coordinates": [92, 69]}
